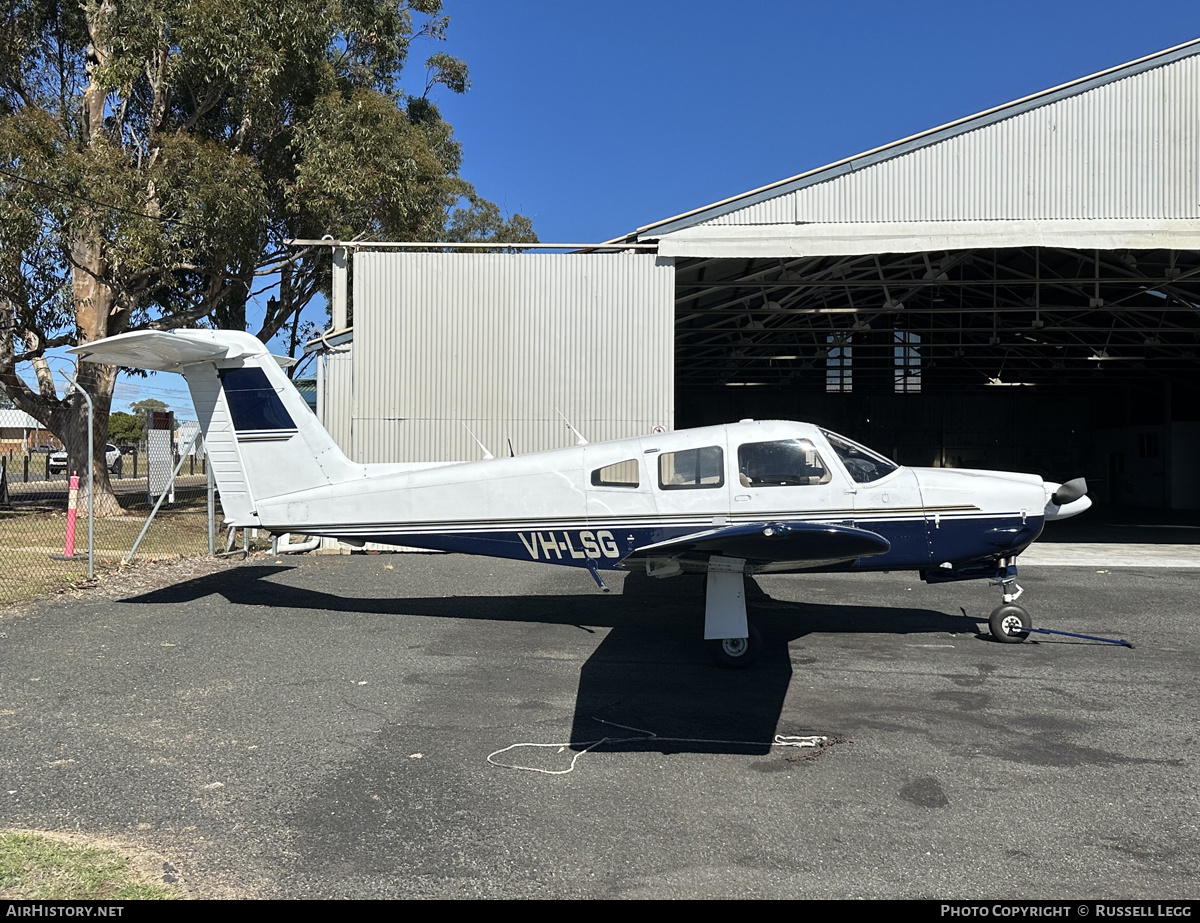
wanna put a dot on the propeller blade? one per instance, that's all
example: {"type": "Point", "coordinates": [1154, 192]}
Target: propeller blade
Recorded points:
{"type": "Point", "coordinates": [1069, 492]}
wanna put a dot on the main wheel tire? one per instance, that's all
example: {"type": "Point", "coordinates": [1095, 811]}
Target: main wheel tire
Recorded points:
{"type": "Point", "coordinates": [1008, 623]}
{"type": "Point", "coordinates": [736, 653]}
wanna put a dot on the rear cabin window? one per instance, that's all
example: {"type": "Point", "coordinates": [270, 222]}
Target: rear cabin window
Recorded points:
{"type": "Point", "coordinates": [786, 463]}
{"type": "Point", "coordinates": [622, 474]}
{"type": "Point", "coordinates": [254, 405]}
{"type": "Point", "coordinates": [692, 469]}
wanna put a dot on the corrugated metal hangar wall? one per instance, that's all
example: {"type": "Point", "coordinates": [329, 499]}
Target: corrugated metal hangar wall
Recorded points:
{"type": "Point", "coordinates": [501, 344]}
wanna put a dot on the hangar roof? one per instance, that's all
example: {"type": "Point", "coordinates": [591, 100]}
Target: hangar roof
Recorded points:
{"type": "Point", "coordinates": [1107, 161]}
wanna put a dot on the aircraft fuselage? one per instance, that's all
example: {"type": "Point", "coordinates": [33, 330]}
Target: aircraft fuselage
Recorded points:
{"type": "Point", "coordinates": [603, 505]}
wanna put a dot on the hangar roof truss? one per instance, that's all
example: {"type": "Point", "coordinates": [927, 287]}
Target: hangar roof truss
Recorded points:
{"type": "Point", "coordinates": [1019, 315]}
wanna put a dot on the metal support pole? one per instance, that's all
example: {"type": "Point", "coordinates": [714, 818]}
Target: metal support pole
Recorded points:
{"type": "Point", "coordinates": [212, 510]}
{"type": "Point", "coordinates": [339, 303]}
{"type": "Point", "coordinates": [161, 497]}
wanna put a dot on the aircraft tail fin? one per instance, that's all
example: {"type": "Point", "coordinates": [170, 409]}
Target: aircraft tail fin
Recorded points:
{"type": "Point", "coordinates": [262, 439]}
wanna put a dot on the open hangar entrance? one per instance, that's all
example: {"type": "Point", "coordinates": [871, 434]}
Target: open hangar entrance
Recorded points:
{"type": "Point", "coordinates": [1051, 360]}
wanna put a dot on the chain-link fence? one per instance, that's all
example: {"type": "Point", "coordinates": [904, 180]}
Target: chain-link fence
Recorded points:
{"type": "Point", "coordinates": [34, 518]}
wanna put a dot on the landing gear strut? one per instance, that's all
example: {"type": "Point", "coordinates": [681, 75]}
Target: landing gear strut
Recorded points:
{"type": "Point", "coordinates": [731, 640]}
{"type": "Point", "coordinates": [1008, 621]}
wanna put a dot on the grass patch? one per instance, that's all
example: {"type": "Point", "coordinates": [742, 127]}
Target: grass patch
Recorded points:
{"type": "Point", "coordinates": [29, 536]}
{"type": "Point", "coordinates": [35, 866]}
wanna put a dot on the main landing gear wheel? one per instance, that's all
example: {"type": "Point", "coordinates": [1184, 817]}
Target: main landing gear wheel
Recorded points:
{"type": "Point", "coordinates": [736, 653]}
{"type": "Point", "coordinates": [1008, 623]}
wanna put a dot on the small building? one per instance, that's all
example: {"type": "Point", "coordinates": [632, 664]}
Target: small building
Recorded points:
{"type": "Point", "coordinates": [19, 432]}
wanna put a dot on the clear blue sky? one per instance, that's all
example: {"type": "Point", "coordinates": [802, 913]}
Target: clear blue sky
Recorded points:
{"type": "Point", "coordinates": [595, 118]}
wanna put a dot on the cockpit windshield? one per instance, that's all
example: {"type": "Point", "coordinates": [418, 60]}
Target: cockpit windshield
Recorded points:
{"type": "Point", "coordinates": [864, 465]}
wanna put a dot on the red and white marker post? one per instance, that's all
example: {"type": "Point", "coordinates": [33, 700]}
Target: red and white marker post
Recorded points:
{"type": "Point", "coordinates": [72, 504]}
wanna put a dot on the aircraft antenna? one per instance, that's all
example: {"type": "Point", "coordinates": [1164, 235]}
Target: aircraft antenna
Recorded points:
{"type": "Point", "coordinates": [484, 449]}
{"type": "Point", "coordinates": [579, 440]}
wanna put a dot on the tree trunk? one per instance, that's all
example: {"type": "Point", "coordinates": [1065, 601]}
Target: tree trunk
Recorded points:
{"type": "Point", "coordinates": [97, 315]}
{"type": "Point", "coordinates": [70, 423]}
{"type": "Point", "coordinates": [66, 418]}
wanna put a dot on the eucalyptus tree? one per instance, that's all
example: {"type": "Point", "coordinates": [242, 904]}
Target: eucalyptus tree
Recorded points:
{"type": "Point", "coordinates": [156, 154]}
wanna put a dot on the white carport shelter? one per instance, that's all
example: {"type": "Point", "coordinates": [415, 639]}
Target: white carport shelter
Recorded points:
{"type": "Point", "coordinates": [1017, 289]}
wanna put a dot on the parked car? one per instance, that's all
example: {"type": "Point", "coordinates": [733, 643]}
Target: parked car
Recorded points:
{"type": "Point", "coordinates": [112, 460]}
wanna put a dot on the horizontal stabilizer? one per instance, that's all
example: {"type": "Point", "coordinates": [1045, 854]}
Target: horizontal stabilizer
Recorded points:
{"type": "Point", "coordinates": [800, 544]}
{"type": "Point", "coordinates": [264, 444]}
{"type": "Point", "coordinates": [169, 350]}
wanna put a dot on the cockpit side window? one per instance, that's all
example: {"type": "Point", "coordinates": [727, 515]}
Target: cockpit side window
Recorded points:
{"type": "Point", "coordinates": [622, 474]}
{"type": "Point", "coordinates": [692, 469]}
{"type": "Point", "coordinates": [786, 463]}
{"type": "Point", "coordinates": [863, 465]}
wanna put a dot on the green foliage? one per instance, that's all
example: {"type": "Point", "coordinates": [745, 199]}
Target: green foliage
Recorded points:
{"type": "Point", "coordinates": [126, 428]}
{"type": "Point", "coordinates": [403, 194]}
{"type": "Point", "coordinates": [156, 155]}
{"type": "Point", "coordinates": [482, 221]}
{"type": "Point", "coordinates": [147, 404]}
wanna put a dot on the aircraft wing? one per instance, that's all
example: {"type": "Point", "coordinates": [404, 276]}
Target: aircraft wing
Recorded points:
{"type": "Point", "coordinates": [802, 544]}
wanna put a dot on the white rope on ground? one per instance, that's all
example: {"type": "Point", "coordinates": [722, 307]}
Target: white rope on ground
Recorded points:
{"type": "Point", "coordinates": [780, 740]}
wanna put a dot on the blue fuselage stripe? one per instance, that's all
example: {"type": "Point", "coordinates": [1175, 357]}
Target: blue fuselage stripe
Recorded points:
{"type": "Point", "coordinates": [916, 542]}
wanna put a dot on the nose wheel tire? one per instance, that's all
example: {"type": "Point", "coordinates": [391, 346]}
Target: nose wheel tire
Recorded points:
{"type": "Point", "coordinates": [1008, 623]}
{"type": "Point", "coordinates": [736, 653]}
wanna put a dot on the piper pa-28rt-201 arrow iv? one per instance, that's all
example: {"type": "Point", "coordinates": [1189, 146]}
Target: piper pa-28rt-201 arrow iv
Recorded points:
{"type": "Point", "coordinates": [727, 501]}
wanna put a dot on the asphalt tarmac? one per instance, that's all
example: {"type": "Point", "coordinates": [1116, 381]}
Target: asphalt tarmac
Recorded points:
{"type": "Point", "coordinates": [320, 727]}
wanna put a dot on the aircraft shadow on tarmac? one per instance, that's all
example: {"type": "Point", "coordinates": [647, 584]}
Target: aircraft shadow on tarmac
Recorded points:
{"type": "Point", "coordinates": [650, 673]}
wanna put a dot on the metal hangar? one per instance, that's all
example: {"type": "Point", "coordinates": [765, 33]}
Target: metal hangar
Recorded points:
{"type": "Point", "coordinates": [1019, 289]}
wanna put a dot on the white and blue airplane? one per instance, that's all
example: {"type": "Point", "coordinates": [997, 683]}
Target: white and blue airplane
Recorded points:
{"type": "Point", "coordinates": [758, 496]}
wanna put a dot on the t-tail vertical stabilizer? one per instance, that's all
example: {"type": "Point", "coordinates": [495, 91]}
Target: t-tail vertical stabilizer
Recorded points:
{"type": "Point", "coordinates": [262, 439]}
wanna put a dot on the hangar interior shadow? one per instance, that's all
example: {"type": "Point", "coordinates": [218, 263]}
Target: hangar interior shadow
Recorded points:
{"type": "Point", "coordinates": [1051, 360]}
{"type": "Point", "coordinates": [651, 672]}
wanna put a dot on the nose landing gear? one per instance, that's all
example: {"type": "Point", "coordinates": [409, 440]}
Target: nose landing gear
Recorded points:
{"type": "Point", "coordinates": [1008, 621]}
